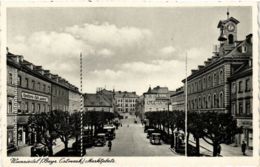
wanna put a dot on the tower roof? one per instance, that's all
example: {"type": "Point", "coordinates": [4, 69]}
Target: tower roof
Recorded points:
{"type": "Point", "coordinates": [232, 19]}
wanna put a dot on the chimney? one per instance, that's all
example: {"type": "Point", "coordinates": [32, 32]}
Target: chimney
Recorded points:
{"type": "Point", "coordinates": [193, 71]}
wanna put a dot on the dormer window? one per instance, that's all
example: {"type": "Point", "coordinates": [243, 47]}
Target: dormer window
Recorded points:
{"type": "Point", "coordinates": [243, 49]}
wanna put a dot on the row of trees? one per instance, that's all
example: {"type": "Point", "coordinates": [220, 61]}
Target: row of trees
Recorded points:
{"type": "Point", "coordinates": [213, 127]}
{"type": "Point", "coordinates": [61, 124]}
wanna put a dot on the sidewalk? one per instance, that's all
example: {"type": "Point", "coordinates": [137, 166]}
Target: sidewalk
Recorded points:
{"type": "Point", "coordinates": [26, 150]}
{"type": "Point", "coordinates": [226, 150]}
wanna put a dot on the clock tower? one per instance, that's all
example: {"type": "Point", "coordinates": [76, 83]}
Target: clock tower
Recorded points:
{"type": "Point", "coordinates": [228, 34]}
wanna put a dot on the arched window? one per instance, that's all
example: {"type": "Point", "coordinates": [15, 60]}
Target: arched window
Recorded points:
{"type": "Point", "coordinates": [221, 100]}
{"type": "Point", "coordinates": [204, 102]}
{"type": "Point", "coordinates": [204, 83]}
{"type": "Point", "coordinates": [215, 100]}
{"type": "Point", "coordinates": [209, 101]}
{"type": "Point", "coordinates": [10, 106]}
{"type": "Point", "coordinates": [199, 103]}
{"type": "Point", "coordinates": [230, 39]}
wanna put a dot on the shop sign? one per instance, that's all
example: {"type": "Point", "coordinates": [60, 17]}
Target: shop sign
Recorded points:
{"type": "Point", "coordinates": [245, 123]}
{"type": "Point", "coordinates": [30, 96]}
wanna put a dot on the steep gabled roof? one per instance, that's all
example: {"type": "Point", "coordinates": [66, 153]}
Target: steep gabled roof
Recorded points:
{"type": "Point", "coordinates": [232, 19]}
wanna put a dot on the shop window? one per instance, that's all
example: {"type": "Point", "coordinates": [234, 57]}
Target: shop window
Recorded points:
{"type": "Point", "coordinates": [215, 100]}
{"type": "Point", "coordinates": [26, 107]}
{"type": "Point", "coordinates": [39, 108]}
{"type": "Point", "coordinates": [19, 107]}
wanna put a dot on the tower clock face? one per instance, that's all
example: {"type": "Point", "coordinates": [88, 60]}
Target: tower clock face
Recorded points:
{"type": "Point", "coordinates": [230, 27]}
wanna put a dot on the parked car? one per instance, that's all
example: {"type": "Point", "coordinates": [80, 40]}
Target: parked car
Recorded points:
{"type": "Point", "coordinates": [39, 150]}
{"type": "Point", "coordinates": [149, 132]}
{"type": "Point", "coordinates": [109, 130]}
{"type": "Point", "coordinates": [147, 127]}
{"type": "Point", "coordinates": [155, 138]}
{"type": "Point", "coordinates": [100, 139]}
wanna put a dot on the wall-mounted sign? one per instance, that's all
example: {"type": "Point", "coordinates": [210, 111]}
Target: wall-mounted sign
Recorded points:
{"type": "Point", "coordinates": [34, 97]}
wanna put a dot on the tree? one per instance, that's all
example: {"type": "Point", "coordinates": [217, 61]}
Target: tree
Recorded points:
{"type": "Point", "coordinates": [195, 128]}
{"type": "Point", "coordinates": [62, 126]}
{"type": "Point", "coordinates": [216, 127]}
{"type": "Point", "coordinates": [43, 125]}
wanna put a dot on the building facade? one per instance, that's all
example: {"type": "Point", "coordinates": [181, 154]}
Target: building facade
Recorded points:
{"type": "Point", "coordinates": [31, 90]}
{"type": "Point", "coordinates": [125, 101]}
{"type": "Point", "coordinates": [241, 104]}
{"type": "Point", "coordinates": [74, 99]}
{"type": "Point", "coordinates": [12, 74]}
{"type": "Point", "coordinates": [208, 86]}
{"type": "Point", "coordinates": [97, 102]}
{"type": "Point", "coordinates": [177, 100]}
{"type": "Point", "coordinates": [156, 99]}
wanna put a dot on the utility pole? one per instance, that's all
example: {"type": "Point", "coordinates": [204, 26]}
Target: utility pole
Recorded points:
{"type": "Point", "coordinates": [81, 109]}
{"type": "Point", "coordinates": [186, 108]}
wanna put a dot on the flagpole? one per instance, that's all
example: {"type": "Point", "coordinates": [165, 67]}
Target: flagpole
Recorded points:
{"type": "Point", "coordinates": [186, 109]}
{"type": "Point", "coordinates": [81, 109]}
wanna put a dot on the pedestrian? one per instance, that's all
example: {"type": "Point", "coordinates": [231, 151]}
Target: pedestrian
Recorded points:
{"type": "Point", "coordinates": [218, 150]}
{"type": "Point", "coordinates": [243, 148]}
{"type": "Point", "coordinates": [109, 145]}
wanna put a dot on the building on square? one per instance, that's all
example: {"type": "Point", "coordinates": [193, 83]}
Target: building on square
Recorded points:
{"type": "Point", "coordinates": [156, 99]}
{"type": "Point", "coordinates": [74, 99]}
{"type": "Point", "coordinates": [241, 103]}
{"type": "Point", "coordinates": [177, 100]}
{"type": "Point", "coordinates": [97, 102]}
{"type": "Point", "coordinates": [125, 101]}
{"type": "Point", "coordinates": [208, 86]}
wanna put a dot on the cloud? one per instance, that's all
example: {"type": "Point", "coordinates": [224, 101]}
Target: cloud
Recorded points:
{"type": "Point", "coordinates": [167, 51]}
{"type": "Point", "coordinates": [105, 52]}
{"type": "Point", "coordinates": [109, 34]}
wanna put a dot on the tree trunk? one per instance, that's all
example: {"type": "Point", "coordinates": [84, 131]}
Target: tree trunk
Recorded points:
{"type": "Point", "coordinates": [66, 145]}
{"type": "Point", "coordinates": [197, 146]}
{"type": "Point", "coordinates": [215, 149]}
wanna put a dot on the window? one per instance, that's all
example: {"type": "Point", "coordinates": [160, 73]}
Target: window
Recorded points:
{"type": "Point", "coordinates": [49, 89]}
{"type": "Point", "coordinates": [33, 84]}
{"type": "Point", "coordinates": [221, 100]}
{"type": "Point", "coordinates": [44, 107]}
{"type": "Point", "coordinates": [240, 89]}
{"type": "Point", "coordinates": [233, 89]}
{"type": "Point", "coordinates": [39, 86]}
{"type": "Point", "coordinates": [200, 86]}
{"type": "Point", "coordinates": [243, 49]}
{"type": "Point", "coordinates": [220, 77]}
{"type": "Point", "coordinates": [215, 101]}
{"type": "Point", "coordinates": [33, 107]}
{"type": "Point", "coordinates": [209, 81]}
{"type": "Point", "coordinates": [204, 83]}
{"type": "Point", "coordinates": [10, 78]}
{"type": "Point", "coordinates": [248, 107]}
{"type": "Point", "coordinates": [230, 39]}
{"type": "Point", "coordinates": [44, 87]}
{"type": "Point", "coordinates": [19, 80]}
{"type": "Point", "coordinates": [26, 107]}
{"type": "Point", "coordinates": [19, 107]}
{"type": "Point", "coordinates": [26, 82]}
{"type": "Point", "coordinates": [39, 108]}
{"type": "Point", "coordinates": [247, 85]}
{"type": "Point", "coordinates": [240, 108]}
{"type": "Point", "coordinates": [10, 106]}
{"type": "Point", "coordinates": [204, 102]}
{"type": "Point", "coordinates": [199, 103]}
{"type": "Point", "coordinates": [233, 108]}
{"type": "Point", "coordinates": [209, 101]}
{"type": "Point", "coordinates": [215, 79]}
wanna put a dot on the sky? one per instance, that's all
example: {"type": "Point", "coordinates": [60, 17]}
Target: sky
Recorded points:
{"type": "Point", "coordinates": [127, 49]}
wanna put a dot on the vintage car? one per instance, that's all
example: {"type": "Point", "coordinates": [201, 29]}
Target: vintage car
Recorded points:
{"type": "Point", "coordinates": [100, 139]}
{"type": "Point", "coordinates": [155, 138]}
{"type": "Point", "coordinates": [149, 132]}
{"type": "Point", "coordinates": [39, 150]}
{"type": "Point", "coordinates": [109, 130]}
